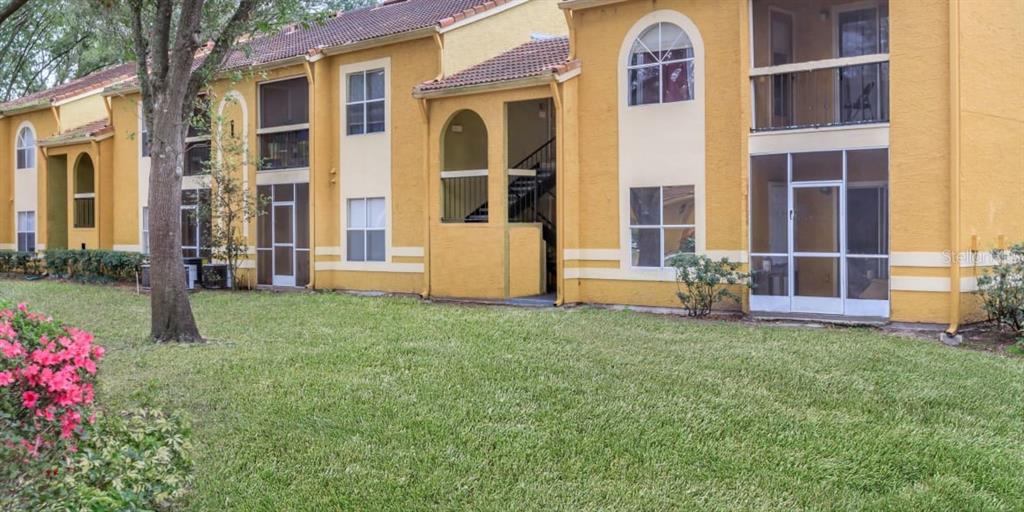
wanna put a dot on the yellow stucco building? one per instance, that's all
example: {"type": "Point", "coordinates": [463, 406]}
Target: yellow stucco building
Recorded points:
{"type": "Point", "coordinates": [860, 157]}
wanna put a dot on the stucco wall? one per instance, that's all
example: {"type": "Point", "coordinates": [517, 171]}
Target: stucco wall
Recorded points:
{"type": "Point", "coordinates": [597, 222]}
{"type": "Point", "coordinates": [511, 25]}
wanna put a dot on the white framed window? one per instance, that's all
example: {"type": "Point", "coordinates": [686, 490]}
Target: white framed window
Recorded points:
{"type": "Point", "coordinates": [284, 124]}
{"type": "Point", "coordinates": [196, 224]}
{"type": "Point", "coordinates": [27, 231]}
{"type": "Point", "coordinates": [143, 139]}
{"type": "Point", "coordinates": [365, 232]}
{"type": "Point", "coordinates": [145, 230]}
{"type": "Point", "coordinates": [26, 149]}
{"type": "Point", "coordinates": [364, 110]}
{"type": "Point", "coordinates": [662, 223]}
{"type": "Point", "coordinates": [197, 140]}
{"type": "Point", "coordinates": [660, 66]}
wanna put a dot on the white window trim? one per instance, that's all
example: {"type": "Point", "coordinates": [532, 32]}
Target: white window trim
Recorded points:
{"type": "Point", "coordinates": [661, 83]}
{"type": "Point", "coordinates": [18, 147]}
{"type": "Point", "coordinates": [366, 101]}
{"type": "Point", "coordinates": [19, 232]}
{"type": "Point", "coordinates": [85, 195]}
{"type": "Point", "coordinates": [366, 229]}
{"type": "Point", "coordinates": [661, 226]}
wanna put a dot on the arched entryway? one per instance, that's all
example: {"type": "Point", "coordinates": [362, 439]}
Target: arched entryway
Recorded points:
{"type": "Point", "coordinates": [464, 171]}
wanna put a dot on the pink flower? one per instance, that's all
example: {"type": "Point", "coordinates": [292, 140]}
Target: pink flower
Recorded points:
{"type": "Point", "coordinates": [23, 308]}
{"type": "Point", "coordinates": [69, 423]}
{"type": "Point", "coordinates": [98, 352]}
{"type": "Point", "coordinates": [29, 399]}
{"type": "Point", "coordinates": [6, 379]}
{"type": "Point", "coordinates": [11, 349]}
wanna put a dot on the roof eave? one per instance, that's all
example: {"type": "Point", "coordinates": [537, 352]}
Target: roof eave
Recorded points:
{"type": "Point", "coordinates": [27, 108]}
{"type": "Point", "coordinates": [586, 4]}
{"type": "Point", "coordinates": [84, 139]}
{"type": "Point", "coordinates": [400, 37]}
{"type": "Point", "coordinates": [545, 78]}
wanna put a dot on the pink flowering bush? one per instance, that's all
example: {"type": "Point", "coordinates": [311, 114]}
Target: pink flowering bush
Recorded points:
{"type": "Point", "coordinates": [47, 374]}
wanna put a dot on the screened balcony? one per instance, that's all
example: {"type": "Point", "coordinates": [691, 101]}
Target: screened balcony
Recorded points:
{"type": "Point", "coordinates": [819, 63]}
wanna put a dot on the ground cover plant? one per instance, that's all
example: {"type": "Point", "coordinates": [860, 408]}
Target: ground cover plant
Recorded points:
{"type": "Point", "coordinates": [318, 401]}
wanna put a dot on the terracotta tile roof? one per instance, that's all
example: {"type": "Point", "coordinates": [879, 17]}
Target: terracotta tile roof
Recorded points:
{"type": "Point", "coordinates": [348, 27]}
{"type": "Point", "coordinates": [540, 56]}
{"type": "Point", "coordinates": [97, 80]}
{"type": "Point", "coordinates": [82, 133]}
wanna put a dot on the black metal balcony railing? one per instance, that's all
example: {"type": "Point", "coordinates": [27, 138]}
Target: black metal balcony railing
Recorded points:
{"type": "Point", "coordinates": [525, 191]}
{"type": "Point", "coordinates": [85, 212]}
{"type": "Point", "coordinates": [284, 150]}
{"type": "Point", "coordinates": [834, 96]}
{"type": "Point", "coordinates": [465, 199]}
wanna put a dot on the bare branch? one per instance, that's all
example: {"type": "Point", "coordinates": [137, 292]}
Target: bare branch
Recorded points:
{"type": "Point", "coordinates": [11, 8]}
{"type": "Point", "coordinates": [222, 45]}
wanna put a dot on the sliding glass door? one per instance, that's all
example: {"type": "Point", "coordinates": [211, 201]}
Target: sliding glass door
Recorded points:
{"type": "Point", "coordinates": [819, 233]}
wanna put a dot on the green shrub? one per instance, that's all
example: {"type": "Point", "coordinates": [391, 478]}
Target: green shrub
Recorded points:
{"type": "Point", "coordinates": [93, 264]}
{"type": "Point", "coordinates": [20, 262]}
{"type": "Point", "coordinates": [1002, 289]}
{"type": "Point", "coordinates": [703, 282]}
{"type": "Point", "coordinates": [140, 460]}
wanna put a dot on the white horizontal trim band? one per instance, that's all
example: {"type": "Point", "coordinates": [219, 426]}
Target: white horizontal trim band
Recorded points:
{"type": "Point", "coordinates": [370, 266]}
{"type": "Point", "coordinates": [522, 172]}
{"type": "Point", "coordinates": [128, 248]}
{"type": "Point", "coordinates": [407, 252]}
{"type": "Point", "coordinates": [282, 177]}
{"type": "Point", "coordinates": [464, 174]}
{"type": "Point", "coordinates": [620, 274]}
{"type": "Point", "coordinates": [931, 284]}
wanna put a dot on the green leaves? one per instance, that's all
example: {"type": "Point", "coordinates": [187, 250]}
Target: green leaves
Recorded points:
{"type": "Point", "coordinates": [704, 282]}
{"type": "Point", "coordinates": [1002, 289]}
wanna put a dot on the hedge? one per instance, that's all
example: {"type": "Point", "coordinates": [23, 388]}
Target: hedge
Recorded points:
{"type": "Point", "coordinates": [78, 264]}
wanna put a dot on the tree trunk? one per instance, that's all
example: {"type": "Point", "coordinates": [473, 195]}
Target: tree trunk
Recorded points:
{"type": "Point", "coordinates": [171, 313]}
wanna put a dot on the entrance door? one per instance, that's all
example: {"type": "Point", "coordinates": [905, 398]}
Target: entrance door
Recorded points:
{"type": "Point", "coordinates": [816, 223]}
{"type": "Point", "coordinates": [282, 252]}
{"type": "Point", "coordinates": [284, 243]}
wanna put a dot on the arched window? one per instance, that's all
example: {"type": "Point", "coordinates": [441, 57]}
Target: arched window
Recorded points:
{"type": "Point", "coordinates": [661, 66]}
{"type": "Point", "coordinates": [85, 193]}
{"type": "Point", "coordinates": [464, 172]}
{"type": "Point", "coordinates": [26, 149]}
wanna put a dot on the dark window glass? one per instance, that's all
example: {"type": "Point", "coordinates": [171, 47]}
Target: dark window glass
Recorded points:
{"type": "Point", "coordinates": [284, 150]}
{"type": "Point", "coordinates": [284, 103]}
{"type": "Point", "coordinates": [197, 158]}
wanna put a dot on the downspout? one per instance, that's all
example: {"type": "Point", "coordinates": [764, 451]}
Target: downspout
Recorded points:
{"type": "Point", "coordinates": [425, 112]}
{"type": "Point", "coordinates": [56, 117]}
{"type": "Point", "coordinates": [556, 95]}
{"type": "Point", "coordinates": [311, 77]}
{"type": "Point", "coordinates": [954, 168]}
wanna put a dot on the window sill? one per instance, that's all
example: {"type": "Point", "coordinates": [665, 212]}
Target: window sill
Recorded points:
{"type": "Point", "coordinates": [283, 169]}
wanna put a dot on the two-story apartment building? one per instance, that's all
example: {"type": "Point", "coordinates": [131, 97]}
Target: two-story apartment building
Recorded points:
{"type": "Point", "coordinates": [54, 145]}
{"type": "Point", "coordinates": [856, 155]}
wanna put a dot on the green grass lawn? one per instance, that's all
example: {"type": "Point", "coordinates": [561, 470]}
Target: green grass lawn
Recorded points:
{"type": "Point", "coordinates": [327, 401]}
